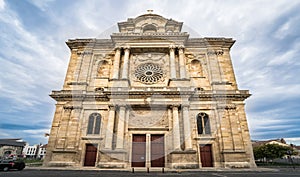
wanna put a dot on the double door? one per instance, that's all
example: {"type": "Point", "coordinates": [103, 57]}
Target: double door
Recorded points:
{"type": "Point", "coordinates": [139, 151]}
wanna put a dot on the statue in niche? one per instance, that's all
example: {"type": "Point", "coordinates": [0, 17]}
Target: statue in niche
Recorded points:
{"type": "Point", "coordinates": [196, 68]}
{"type": "Point", "coordinates": [103, 69]}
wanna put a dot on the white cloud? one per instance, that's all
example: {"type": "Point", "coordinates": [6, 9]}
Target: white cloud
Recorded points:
{"type": "Point", "coordinates": [41, 4]}
{"type": "Point", "coordinates": [2, 5]}
{"type": "Point", "coordinates": [294, 140]}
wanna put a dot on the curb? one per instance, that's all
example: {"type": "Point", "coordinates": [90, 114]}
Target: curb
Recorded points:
{"type": "Point", "coordinates": [138, 170]}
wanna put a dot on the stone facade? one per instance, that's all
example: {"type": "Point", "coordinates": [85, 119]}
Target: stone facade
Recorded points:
{"type": "Point", "coordinates": [150, 97]}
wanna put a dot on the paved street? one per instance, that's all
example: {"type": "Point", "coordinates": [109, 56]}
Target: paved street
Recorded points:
{"type": "Point", "coordinates": [94, 173]}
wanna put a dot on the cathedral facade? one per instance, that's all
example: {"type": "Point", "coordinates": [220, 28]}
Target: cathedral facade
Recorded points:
{"type": "Point", "coordinates": [150, 96]}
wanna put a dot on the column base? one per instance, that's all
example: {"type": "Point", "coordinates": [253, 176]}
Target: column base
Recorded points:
{"type": "Point", "coordinates": [112, 165]}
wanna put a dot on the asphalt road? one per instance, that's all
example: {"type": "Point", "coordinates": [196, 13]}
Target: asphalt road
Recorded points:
{"type": "Point", "coordinates": [76, 173]}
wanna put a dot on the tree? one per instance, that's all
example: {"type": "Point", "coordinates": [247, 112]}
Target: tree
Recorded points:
{"type": "Point", "coordinates": [270, 151]}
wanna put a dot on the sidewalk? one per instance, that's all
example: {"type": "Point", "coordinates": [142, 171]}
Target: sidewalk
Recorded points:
{"type": "Point", "coordinates": [167, 170]}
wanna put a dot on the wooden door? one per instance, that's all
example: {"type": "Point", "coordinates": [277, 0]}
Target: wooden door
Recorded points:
{"type": "Point", "coordinates": [206, 155]}
{"type": "Point", "coordinates": [90, 155]}
{"type": "Point", "coordinates": [138, 151]}
{"type": "Point", "coordinates": [157, 151]}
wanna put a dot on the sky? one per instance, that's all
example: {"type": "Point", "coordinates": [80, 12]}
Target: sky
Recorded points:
{"type": "Point", "coordinates": [34, 56]}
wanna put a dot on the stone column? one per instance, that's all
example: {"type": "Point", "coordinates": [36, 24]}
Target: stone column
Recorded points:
{"type": "Point", "coordinates": [120, 133]}
{"type": "Point", "coordinates": [176, 128]}
{"type": "Point", "coordinates": [148, 150]}
{"type": "Point", "coordinates": [182, 63]}
{"type": "Point", "coordinates": [116, 64]}
{"type": "Point", "coordinates": [187, 128]}
{"type": "Point", "coordinates": [110, 128]}
{"type": "Point", "coordinates": [172, 62]}
{"type": "Point", "coordinates": [125, 65]}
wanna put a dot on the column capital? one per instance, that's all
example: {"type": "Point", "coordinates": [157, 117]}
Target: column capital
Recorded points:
{"type": "Point", "coordinates": [126, 48]}
{"type": "Point", "coordinates": [181, 47]}
{"type": "Point", "coordinates": [117, 48]}
{"type": "Point", "coordinates": [172, 47]}
{"type": "Point", "coordinates": [174, 106]}
{"type": "Point", "coordinates": [185, 106]}
{"type": "Point", "coordinates": [112, 107]}
{"type": "Point", "coordinates": [122, 106]}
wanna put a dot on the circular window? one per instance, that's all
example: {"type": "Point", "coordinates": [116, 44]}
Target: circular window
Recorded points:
{"type": "Point", "coordinates": [149, 73]}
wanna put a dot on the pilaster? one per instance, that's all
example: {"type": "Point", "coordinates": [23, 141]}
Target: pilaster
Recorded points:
{"type": "Point", "coordinates": [116, 63]}
{"type": "Point", "coordinates": [110, 128]}
{"type": "Point", "coordinates": [172, 63]}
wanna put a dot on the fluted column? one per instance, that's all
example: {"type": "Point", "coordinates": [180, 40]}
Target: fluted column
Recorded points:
{"type": "Point", "coordinates": [176, 128]}
{"type": "Point", "coordinates": [116, 64]}
{"type": "Point", "coordinates": [187, 128]}
{"type": "Point", "coordinates": [110, 128]}
{"type": "Point", "coordinates": [125, 65]}
{"type": "Point", "coordinates": [120, 133]}
{"type": "Point", "coordinates": [172, 62]}
{"type": "Point", "coordinates": [182, 63]}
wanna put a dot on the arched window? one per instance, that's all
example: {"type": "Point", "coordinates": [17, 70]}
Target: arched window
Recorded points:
{"type": "Point", "coordinates": [94, 124]}
{"type": "Point", "coordinates": [150, 29]}
{"type": "Point", "coordinates": [203, 124]}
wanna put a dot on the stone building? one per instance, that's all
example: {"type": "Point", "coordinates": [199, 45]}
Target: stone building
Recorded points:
{"type": "Point", "coordinates": [150, 96]}
{"type": "Point", "coordinates": [11, 147]}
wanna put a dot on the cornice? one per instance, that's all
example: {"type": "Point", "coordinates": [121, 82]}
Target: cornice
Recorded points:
{"type": "Point", "coordinates": [210, 42]}
{"type": "Point", "coordinates": [192, 95]}
{"type": "Point", "coordinates": [130, 37]}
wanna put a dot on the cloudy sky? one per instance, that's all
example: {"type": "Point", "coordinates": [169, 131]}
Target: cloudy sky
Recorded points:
{"type": "Point", "coordinates": [34, 57]}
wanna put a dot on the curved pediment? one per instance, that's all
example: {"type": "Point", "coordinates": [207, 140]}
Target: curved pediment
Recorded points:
{"type": "Point", "coordinates": [149, 23]}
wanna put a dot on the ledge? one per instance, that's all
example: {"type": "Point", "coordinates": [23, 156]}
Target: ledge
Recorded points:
{"type": "Point", "coordinates": [116, 151]}
{"type": "Point", "coordinates": [205, 138]}
{"type": "Point", "coordinates": [149, 129]}
{"type": "Point", "coordinates": [77, 83]}
{"type": "Point", "coordinates": [91, 138]}
{"type": "Point", "coordinates": [64, 151]}
{"type": "Point", "coordinates": [233, 151]}
{"type": "Point", "coordinates": [184, 152]}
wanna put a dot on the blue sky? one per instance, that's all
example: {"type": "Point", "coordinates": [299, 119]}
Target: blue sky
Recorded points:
{"type": "Point", "coordinates": [34, 57]}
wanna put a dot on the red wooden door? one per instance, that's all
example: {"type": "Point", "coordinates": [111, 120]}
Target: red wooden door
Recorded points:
{"type": "Point", "coordinates": [90, 155]}
{"type": "Point", "coordinates": [157, 151]}
{"type": "Point", "coordinates": [206, 155]}
{"type": "Point", "coordinates": [138, 151]}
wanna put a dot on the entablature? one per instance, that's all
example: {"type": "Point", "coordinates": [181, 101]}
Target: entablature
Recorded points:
{"type": "Point", "coordinates": [105, 94]}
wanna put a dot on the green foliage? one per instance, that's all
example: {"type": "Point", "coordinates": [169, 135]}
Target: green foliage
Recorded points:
{"type": "Point", "coordinates": [271, 151]}
{"type": "Point", "coordinates": [32, 160]}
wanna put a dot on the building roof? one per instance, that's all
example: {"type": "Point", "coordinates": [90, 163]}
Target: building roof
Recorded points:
{"type": "Point", "coordinates": [297, 147]}
{"type": "Point", "coordinates": [44, 146]}
{"type": "Point", "coordinates": [271, 141]}
{"type": "Point", "coordinates": [12, 142]}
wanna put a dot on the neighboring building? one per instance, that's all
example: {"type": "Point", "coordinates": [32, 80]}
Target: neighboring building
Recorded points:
{"type": "Point", "coordinates": [11, 147]}
{"type": "Point", "coordinates": [30, 151]}
{"type": "Point", "coordinates": [42, 151]}
{"type": "Point", "coordinates": [297, 149]}
{"type": "Point", "coordinates": [35, 151]}
{"type": "Point", "coordinates": [150, 97]}
{"type": "Point", "coordinates": [280, 142]}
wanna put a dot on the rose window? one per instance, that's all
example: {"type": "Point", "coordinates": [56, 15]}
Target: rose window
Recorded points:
{"type": "Point", "coordinates": [149, 73]}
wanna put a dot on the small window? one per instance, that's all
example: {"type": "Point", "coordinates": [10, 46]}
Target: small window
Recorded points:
{"type": "Point", "coordinates": [203, 124]}
{"type": "Point", "coordinates": [149, 29]}
{"type": "Point", "coordinates": [94, 123]}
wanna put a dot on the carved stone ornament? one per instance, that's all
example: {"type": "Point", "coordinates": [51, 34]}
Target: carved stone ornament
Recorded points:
{"type": "Point", "coordinates": [149, 73]}
{"type": "Point", "coordinates": [150, 56]}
